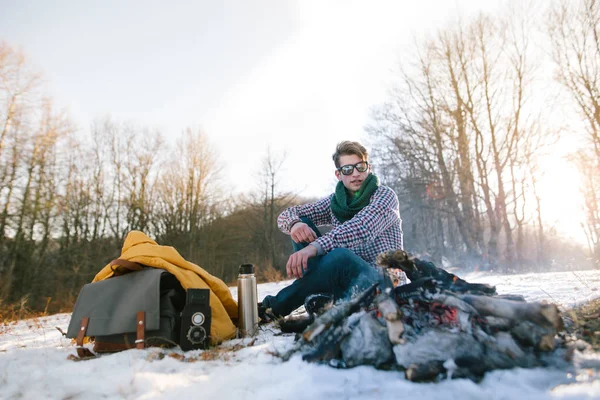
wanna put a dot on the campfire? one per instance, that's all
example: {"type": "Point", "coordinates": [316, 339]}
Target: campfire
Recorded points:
{"type": "Point", "coordinates": [435, 327]}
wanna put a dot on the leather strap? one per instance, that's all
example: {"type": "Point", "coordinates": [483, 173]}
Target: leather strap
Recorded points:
{"type": "Point", "coordinates": [106, 347]}
{"type": "Point", "coordinates": [83, 352]}
{"type": "Point", "coordinates": [120, 266]}
{"type": "Point", "coordinates": [141, 328]}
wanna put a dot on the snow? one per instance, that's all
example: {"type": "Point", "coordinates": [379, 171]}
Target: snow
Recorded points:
{"type": "Point", "coordinates": [34, 363]}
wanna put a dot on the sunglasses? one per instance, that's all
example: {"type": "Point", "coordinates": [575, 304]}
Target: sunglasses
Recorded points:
{"type": "Point", "coordinates": [349, 169]}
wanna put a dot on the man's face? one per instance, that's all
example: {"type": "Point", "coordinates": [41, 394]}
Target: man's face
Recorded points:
{"type": "Point", "coordinates": [353, 181]}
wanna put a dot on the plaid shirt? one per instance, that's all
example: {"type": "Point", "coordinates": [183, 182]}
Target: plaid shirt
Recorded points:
{"type": "Point", "coordinates": [373, 230]}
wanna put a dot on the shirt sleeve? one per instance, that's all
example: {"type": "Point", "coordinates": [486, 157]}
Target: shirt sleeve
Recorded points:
{"type": "Point", "coordinates": [318, 212]}
{"type": "Point", "coordinates": [367, 224]}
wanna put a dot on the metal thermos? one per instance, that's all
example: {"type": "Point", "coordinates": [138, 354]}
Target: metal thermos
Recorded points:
{"type": "Point", "coordinates": [247, 301]}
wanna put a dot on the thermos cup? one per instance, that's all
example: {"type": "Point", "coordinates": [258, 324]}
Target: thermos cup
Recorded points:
{"type": "Point", "coordinates": [247, 301]}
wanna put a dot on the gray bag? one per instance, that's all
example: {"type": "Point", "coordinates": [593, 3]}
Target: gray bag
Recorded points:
{"type": "Point", "coordinates": [136, 309]}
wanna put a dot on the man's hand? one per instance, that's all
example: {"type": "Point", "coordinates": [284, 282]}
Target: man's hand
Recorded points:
{"type": "Point", "coordinates": [298, 262]}
{"type": "Point", "coordinates": [301, 233]}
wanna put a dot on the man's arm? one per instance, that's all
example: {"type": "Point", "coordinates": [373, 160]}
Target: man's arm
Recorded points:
{"type": "Point", "coordinates": [368, 223]}
{"type": "Point", "coordinates": [298, 261]}
{"type": "Point", "coordinates": [317, 212]}
{"type": "Point", "coordinates": [289, 222]}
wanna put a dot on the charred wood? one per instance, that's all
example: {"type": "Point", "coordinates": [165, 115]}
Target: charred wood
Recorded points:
{"type": "Point", "coordinates": [337, 314]}
{"type": "Point", "coordinates": [425, 372]}
{"type": "Point", "coordinates": [391, 313]}
{"type": "Point", "coordinates": [295, 324]}
{"type": "Point", "coordinates": [546, 315]}
{"type": "Point", "coordinates": [416, 269]}
{"type": "Point", "coordinates": [513, 297]}
{"type": "Point", "coordinates": [328, 347]}
{"type": "Point", "coordinates": [432, 328]}
{"type": "Point", "coordinates": [314, 305]}
{"type": "Point", "coordinates": [437, 345]}
{"type": "Point", "coordinates": [418, 289]}
{"type": "Point", "coordinates": [530, 334]}
{"type": "Point", "coordinates": [367, 342]}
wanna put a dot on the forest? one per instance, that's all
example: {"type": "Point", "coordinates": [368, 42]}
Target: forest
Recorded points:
{"type": "Point", "coordinates": [460, 140]}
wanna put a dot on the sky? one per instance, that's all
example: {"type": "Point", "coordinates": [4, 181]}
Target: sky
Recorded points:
{"type": "Point", "coordinates": [295, 77]}
{"type": "Point", "coordinates": [34, 363]}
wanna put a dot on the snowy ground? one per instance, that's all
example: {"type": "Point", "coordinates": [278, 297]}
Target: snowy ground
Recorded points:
{"type": "Point", "coordinates": [34, 363]}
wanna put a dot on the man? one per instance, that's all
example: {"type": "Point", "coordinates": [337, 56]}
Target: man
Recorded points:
{"type": "Point", "coordinates": [366, 222]}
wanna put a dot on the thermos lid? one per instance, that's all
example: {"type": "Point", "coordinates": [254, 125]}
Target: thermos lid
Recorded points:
{"type": "Point", "coordinates": [246, 269]}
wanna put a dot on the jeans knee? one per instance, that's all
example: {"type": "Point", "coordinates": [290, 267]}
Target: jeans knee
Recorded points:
{"type": "Point", "coordinates": [346, 262]}
{"type": "Point", "coordinates": [342, 255]}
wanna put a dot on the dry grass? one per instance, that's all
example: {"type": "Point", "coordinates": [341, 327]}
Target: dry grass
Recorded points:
{"type": "Point", "coordinates": [586, 323]}
{"type": "Point", "coordinates": [263, 274]}
{"type": "Point", "coordinates": [219, 353]}
{"type": "Point", "coordinates": [17, 311]}
{"type": "Point", "coordinates": [21, 310]}
{"type": "Point", "coordinates": [269, 274]}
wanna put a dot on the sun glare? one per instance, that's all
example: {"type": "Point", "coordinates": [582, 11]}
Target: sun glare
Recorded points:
{"type": "Point", "coordinates": [562, 202]}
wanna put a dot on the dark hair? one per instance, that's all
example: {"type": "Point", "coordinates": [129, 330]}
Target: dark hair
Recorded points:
{"type": "Point", "coordinates": [346, 148]}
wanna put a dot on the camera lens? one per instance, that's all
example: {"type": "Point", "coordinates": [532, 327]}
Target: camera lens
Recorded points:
{"type": "Point", "coordinates": [198, 318]}
{"type": "Point", "coordinates": [196, 335]}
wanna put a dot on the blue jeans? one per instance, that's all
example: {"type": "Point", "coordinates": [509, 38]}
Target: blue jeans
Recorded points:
{"type": "Point", "coordinates": [340, 273]}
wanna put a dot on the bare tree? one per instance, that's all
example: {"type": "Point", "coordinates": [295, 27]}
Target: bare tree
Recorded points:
{"type": "Point", "coordinates": [141, 172]}
{"type": "Point", "coordinates": [460, 123]}
{"type": "Point", "coordinates": [574, 28]}
{"type": "Point", "coordinates": [189, 191]}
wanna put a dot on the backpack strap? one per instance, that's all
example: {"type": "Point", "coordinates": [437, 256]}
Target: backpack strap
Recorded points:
{"type": "Point", "coordinates": [83, 352]}
{"type": "Point", "coordinates": [120, 266]}
{"type": "Point", "coordinates": [141, 329]}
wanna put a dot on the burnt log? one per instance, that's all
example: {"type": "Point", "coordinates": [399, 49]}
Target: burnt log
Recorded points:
{"type": "Point", "coordinates": [321, 340]}
{"type": "Point", "coordinates": [314, 305]}
{"type": "Point", "coordinates": [529, 334]}
{"type": "Point", "coordinates": [425, 372]}
{"type": "Point", "coordinates": [328, 347]}
{"type": "Point", "coordinates": [367, 343]}
{"type": "Point", "coordinates": [434, 370]}
{"type": "Point", "coordinates": [545, 315]}
{"type": "Point", "coordinates": [336, 315]}
{"type": "Point", "coordinates": [389, 310]}
{"type": "Point", "coordinates": [416, 269]}
{"type": "Point", "coordinates": [437, 345]}
{"type": "Point", "coordinates": [417, 289]}
{"type": "Point", "coordinates": [438, 326]}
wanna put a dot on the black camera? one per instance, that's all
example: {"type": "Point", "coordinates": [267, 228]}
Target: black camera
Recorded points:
{"type": "Point", "coordinates": [196, 320]}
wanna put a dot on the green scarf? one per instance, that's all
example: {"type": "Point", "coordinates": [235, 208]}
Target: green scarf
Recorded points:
{"type": "Point", "coordinates": [345, 206]}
